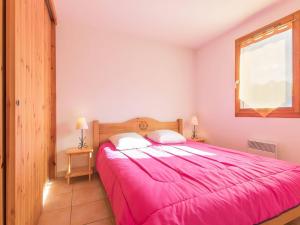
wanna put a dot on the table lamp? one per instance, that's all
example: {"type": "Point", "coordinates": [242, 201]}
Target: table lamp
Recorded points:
{"type": "Point", "coordinates": [81, 124]}
{"type": "Point", "coordinates": [194, 122]}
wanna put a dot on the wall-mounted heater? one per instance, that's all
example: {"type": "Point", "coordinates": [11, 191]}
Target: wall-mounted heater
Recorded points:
{"type": "Point", "coordinates": [263, 148]}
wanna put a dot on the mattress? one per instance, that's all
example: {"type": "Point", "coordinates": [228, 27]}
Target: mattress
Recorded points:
{"type": "Point", "coordinates": [195, 183]}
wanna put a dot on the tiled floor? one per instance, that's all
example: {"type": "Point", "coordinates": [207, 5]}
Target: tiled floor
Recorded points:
{"type": "Point", "coordinates": [80, 203]}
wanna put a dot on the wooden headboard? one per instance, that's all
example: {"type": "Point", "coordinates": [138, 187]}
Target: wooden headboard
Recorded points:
{"type": "Point", "coordinates": [143, 125]}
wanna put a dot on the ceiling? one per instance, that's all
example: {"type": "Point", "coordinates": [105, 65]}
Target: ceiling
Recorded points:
{"type": "Point", "coordinates": [185, 22]}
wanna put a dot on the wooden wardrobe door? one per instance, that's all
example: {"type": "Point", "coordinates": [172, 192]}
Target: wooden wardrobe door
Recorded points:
{"type": "Point", "coordinates": [29, 108]}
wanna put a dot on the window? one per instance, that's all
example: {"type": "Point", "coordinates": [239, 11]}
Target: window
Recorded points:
{"type": "Point", "coordinates": [268, 70]}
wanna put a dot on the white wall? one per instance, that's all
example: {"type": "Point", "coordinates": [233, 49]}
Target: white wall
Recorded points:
{"type": "Point", "coordinates": [114, 78]}
{"type": "Point", "coordinates": [215, 93]}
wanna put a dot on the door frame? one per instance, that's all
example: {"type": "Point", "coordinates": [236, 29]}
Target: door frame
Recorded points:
{"type": "Point", "coordinates": [52, 151]}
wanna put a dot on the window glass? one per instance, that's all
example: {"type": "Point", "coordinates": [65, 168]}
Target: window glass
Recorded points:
{"type": "Point", "coordinates": [266, 72]}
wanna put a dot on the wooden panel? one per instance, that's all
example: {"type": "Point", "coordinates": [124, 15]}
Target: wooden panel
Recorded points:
{"type": "Point", "coordinates": [102, 131]}
{"type": "Point", "coordinates": [2, 124]}
{"type": "Point", "coordinates": [29, 63]}
{"type": "Point", "coordinates": [10, 112]}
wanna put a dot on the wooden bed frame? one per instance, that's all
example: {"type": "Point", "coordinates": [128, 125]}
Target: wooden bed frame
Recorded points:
{"type": "Point", "coordinates": [144, 125]}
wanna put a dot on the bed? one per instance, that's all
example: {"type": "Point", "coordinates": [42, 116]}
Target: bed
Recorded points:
{"type": "Point", "coordinates": [192, 183]}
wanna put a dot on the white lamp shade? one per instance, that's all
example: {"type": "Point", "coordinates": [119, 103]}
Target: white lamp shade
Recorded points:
{"type": "Point", "coordinates": [194, 121]}
{"type": "Point", "coordinates": [81, 123]}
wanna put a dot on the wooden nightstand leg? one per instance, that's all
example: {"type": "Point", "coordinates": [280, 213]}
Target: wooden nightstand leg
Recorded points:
{"type": "Point", "coordinates": [90, 159]}
{"type": "Point", "coordinates": [69, 168]}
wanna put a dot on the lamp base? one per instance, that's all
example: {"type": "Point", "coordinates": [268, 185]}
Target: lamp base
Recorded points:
{"type": "Point", "coordinates": [82, 144]}
{"type": "Point", "coordinates": [194, 135]}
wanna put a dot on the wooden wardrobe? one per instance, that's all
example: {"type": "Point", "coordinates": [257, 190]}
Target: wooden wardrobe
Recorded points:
{"type": "Point", "coordinates": [30, 107]}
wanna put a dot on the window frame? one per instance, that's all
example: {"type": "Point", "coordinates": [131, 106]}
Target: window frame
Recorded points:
{"type": "Point", "coordinates": [282, 112]}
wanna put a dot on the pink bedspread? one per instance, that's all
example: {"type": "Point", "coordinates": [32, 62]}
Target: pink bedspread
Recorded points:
{"type": "Point", "coordinates": [195, 184]}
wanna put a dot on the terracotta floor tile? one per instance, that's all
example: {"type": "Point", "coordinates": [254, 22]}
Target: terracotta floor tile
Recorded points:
{"type": "Point", "coordinates": [294, 222]}
{"type": "Point", "coordinates": [59, 187]}
{"type": "Point", "coordinates": [56, 217]}
{"type": "Point", "coordinates": [57, 182]}
{"type": "Point", "coordinates": [90, 212]}
{"type": "Point", "coordinates": [80, 203]}
{"type": "Point", "coordinates": [107, 221]}
{"type": "Point", "coordinates": [108, 206]}
{"type": "Point", "coordinates": [113, 220]}
{"type": "Point", "coordinates": [86, 195]}
{"type": "Point", "coordinates": [79, 184]}
{"type": "Point", "coordinates": [60, 201]}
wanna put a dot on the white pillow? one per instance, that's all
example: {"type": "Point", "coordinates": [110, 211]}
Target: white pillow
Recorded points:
{"type": "Point", "coordinates": [166, 137]}
{"type": "Point", "coordinates": [125, 141]}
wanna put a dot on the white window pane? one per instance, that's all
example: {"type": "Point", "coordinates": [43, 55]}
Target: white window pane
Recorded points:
{"type": "Point", "coordinates": [266, 73]}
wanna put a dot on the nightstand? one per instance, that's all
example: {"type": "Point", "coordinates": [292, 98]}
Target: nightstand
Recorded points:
{"type": "Point", "coordinates": [198, 139]}
{"type": "Point", "coordinates": [76, 172]}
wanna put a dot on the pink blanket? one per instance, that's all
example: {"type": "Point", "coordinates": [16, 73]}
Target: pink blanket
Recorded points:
{"type": "Point", "coordinates": [194, 184]}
